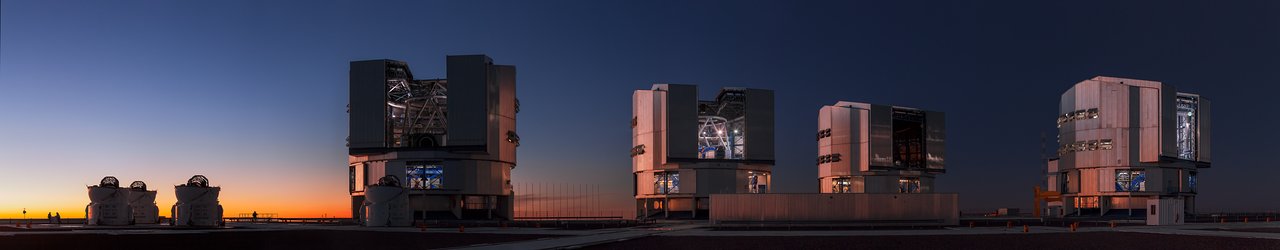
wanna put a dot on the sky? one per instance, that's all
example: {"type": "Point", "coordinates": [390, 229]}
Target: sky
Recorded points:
{"type": "Point", "coordinates": [252, 94]}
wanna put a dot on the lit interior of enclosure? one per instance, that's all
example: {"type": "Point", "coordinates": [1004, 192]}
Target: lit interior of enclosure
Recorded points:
{"type": "Point", "coordinates": [666, 182]}
{"type": "Point", "coordinates": [757, 182]}
{"type": "Point", "coordinates": [416, 109]}
{"type": "Point", "coordinates": [841, 185]}
{"type": "Point", "coordinates": [421, 175]}
{"type": "Point", "coordinates": [1186, 131]}
{"type": "Point", "coordinates": [908, 138]}
{"type": "Point", "coordinates": [722, 126]}
{"type": "Point", "coordinates": [909, 185]}
{"type": "Point", "coordinates": [1129, 180]}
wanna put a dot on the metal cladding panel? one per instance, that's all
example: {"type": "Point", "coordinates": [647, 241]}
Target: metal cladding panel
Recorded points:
{"type": "Point", "coordinates": [644, 183]}
{"type": "Point", "coordinates": [1165, 211]}
{"type": "Point", "coordinates": [717, 181]}
{"type": "Point", "coordinates": [825, 169]}
{"type": "Point", "coordinates": [1204, 130]}
{"type": "Point", "coordinates": [506, 76]}
{"type": "Point", "coordinates": [880, 184]}
{"type": "Point", "coordinates": [469, 87]}
{"type": "Point", "coordinates": [864, 140]}
{"type": "Point", "coordinates": [1068, 101]}
{"type": "Point", "coordinates": [1066, 131]}
{"type": "Point", "coordinates": [1073, 181]}
{"type": "Point", "coordinates": [881, 137]}
{"type": "Point", "coordinates": [1168, 121]}
{"type": "Point", "coordinates": [645, 114]}
{"type": "Point", "coordinates": [759, 127]}
{"type": "Point", "coordinates": [1089, 181]}
{"type": "Point", "coordinates": [503, 115]}
{"type": "Point", "coordinates": [368, 103]}
{"type": "Point", "coordinates": [681, 115]}
{"type": "Point", "coordinates": [689, 181]}
{"type": "Point", "coordinates": [845, 165]}
{"type": "Point", "coordinates": [1086, 95]}
{"type": "Point", "coordinates": [1107, 179]}
{"type": "Point", "coordinates": [841, 130]}
{"type": "Point", "coordinates": [1169, 181]}
{"type": "Point", "coordinates": [824, 122]}
{"type": "Point", "coordinates": [1149, 122]}
{"type": "Point", "coordinates": [841, 141]}
{"type": "Point", "coordinates": [1053, 176]}
{"type": "Point", "coordinates": [941, 209]}
{"type": "Point", "coordinates": [502, 142]}
{"type": "Point", "coordinates": [935, 140]}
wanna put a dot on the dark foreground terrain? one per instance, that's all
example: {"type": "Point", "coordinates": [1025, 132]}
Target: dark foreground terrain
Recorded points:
{"type": "Point", "coordinates": [245, 240]}
{"type": "Point", "coordinates": [1083, 240]}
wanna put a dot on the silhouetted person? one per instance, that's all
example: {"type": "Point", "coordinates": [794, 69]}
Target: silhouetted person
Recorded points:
{"type": "Point", "coordinates": [255, 216]}
{"type": "Point", "coordinates": [58, 216]}
{"type": "Point", "coordinates": [50, 217]}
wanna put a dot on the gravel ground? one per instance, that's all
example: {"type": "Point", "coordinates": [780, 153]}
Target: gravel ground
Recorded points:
{"type": "Point", "coordinates": [244, 240]}
{"type": "Point", "coordinates": [1083, 240]}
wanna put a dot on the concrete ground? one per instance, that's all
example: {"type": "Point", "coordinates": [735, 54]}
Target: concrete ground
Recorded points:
{"type": "Point", "coordinates": [665, 235]}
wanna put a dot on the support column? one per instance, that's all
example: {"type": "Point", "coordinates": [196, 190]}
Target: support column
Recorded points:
{"type": "Point", "coordinates": [457, 206]}
{"type": "Point", "coordinates": [666, 207]}
{"type": "Point", "coordinates": [644, 203]}
{"type": "Point", "coordinates": [695, 207]}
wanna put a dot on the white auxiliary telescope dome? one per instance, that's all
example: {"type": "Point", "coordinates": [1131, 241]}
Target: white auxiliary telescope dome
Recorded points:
{"type": "Point", "coordinates": [197, 204]}
{"type": "Point", "coordinates": [386, 204]}
{"type": "Point", "coordinates": [108, 204]}
{"type": "Point", "coordinates": [143, 203]}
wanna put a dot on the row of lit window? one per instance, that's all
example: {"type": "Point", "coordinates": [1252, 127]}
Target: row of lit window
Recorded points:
{"type": "Point", "coordinates": [824, 133]}
{"type": "Point", "coordinates": [512, 137]}
{"type": "Point", "coordinates": [828, 158]}
{"type": "Point", "coordinates": [1090, 145]}
{"type": "Point", "coordinates": [1078, 115]}
{"type": "Point", "coordinates": [637, 150]}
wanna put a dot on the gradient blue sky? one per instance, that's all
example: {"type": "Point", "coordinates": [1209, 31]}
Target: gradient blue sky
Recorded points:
{"type": "Point", "coordinates": [252, 94]}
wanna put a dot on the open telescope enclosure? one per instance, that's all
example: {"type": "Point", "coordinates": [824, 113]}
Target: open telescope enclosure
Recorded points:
{"type": "Point", "coordinates": [451, 142]}
{"type": "Point", "coordinates": [1124, 141]}
{"type": "Point", "coordinates": [870, 148]}
{"type": "Point", "coordinates": [684, 149]}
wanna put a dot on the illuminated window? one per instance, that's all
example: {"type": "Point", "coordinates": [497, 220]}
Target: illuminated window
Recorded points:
{"type": "Point", "coordinates": [757, 182]}
{"type": "Point", "coordinates": [421, 175]}
{"type": "Point", "coordinates": [353, 178]}
{"type": "Point", "coordinates": [1131, 180]}
{"type": "Point", "coordinates": [1066, 182]}
{"type": "Point", "coordinates": [1191, 181]}
{"type": "Point", "coordinates": [666, 182]}
{"type": "Point", "coordinates": [1091, 145]}
{"type": "Point", "coordinates": [1087, 202]}
{"type": "Point", "coordinates": [908, 185]}
{"type": "Point", "coordinates": [841, 185]}
{"type": "Point", "coordinates": [1077, 115]}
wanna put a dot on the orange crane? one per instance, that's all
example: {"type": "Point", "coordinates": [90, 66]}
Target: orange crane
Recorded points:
{"type": "Point", "coordinates": [1044, 196]}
